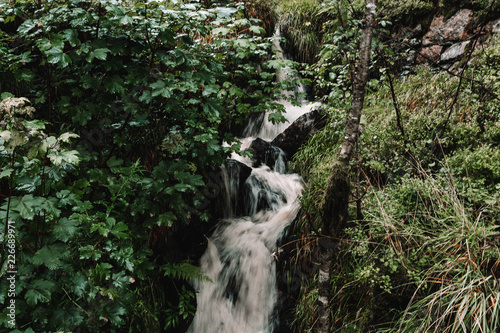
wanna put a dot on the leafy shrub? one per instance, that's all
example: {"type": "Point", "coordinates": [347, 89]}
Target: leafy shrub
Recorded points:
{"type": "Point", "coordinates": [152, 89]}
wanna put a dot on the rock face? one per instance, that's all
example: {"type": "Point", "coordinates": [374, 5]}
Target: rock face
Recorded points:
{"type": "Point", "coordinates": [456, 28]}
{"type": "Point", "coordinates": [429, 54]}
{"type": "Point", "coordinates": [298, 132]}
{"type": "Point", "coordinates": [495, 26]}
{"type": "Point", "coordinates": [233, 177]}
{"type": "Point", "coordinates": [444, 41]}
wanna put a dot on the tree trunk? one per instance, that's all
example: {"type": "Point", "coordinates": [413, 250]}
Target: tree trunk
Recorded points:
{"type": "Point", "coordinates": [334, 205]}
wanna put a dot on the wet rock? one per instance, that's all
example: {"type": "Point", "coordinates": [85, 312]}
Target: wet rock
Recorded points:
{"type": "Point", "coordinates": [456, 28]}
{"type": "Point", "coordinates": [299, 131]}
{"type": "Point", "coordinates": [268, 154]}
{"type": "Point", "coordinates": [232, 179]}
{"type": "Point", "coordinates": [429, 54]}
{"type": "Point", "coordinates": [455, 52]}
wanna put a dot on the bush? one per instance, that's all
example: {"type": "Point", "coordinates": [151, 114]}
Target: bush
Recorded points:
{"type": "Point", "coordinates": [151, 90]}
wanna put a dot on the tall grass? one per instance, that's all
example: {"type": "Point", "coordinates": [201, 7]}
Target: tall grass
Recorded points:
{"type": "Point", "coordinates": [446, 251]}
{"type": "Point", "coordinates": [301, 24]}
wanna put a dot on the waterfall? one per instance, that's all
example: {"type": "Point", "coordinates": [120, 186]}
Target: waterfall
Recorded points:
{"type": "Point", "coordinates": [240, 257]}
{"type": "Point", "coordinates": [267, 130]}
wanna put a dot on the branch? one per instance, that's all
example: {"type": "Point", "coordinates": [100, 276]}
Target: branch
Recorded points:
{"type": "Point", "coordinates": [394, 99]}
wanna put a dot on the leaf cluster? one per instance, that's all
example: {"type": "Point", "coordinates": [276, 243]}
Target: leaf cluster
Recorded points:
{"type": "Point", "coordinates": [133, 101]}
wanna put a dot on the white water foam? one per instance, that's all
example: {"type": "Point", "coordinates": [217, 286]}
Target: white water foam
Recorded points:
{"type": "Point", "coordinates": [240, 257]}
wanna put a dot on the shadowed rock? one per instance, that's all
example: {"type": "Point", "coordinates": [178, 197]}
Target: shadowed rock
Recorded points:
{"type": "Point", "coordinates": [234, 175]}
{"type": "Point", "coordinates": [299, 131]}
{"type": "Point", "coordinates": [268, 154]}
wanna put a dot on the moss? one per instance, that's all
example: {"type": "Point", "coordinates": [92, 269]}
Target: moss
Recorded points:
{"type": "Point", "coordinates": [405, 11]}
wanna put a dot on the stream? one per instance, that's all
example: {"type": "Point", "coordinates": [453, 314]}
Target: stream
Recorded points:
{"type": "Point", "coordinates": [240, 259]}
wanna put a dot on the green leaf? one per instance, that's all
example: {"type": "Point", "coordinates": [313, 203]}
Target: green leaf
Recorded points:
{"type": "Point", "coordinates": [101, 228]}
{"type": "Point", "coordinates": [51, 256]}
{"type": "Point", "coordinates": [101, 272]}
{"type": "Point", "coordinates": [212, 111]}
{"type": "Point", "coordinates": [26, 26]}
{"type": "Point", "coordinates": [221, 31]}
{"type": "Point", "coordinates": [101, 54]}
{"type": "Point", "coordinates": [118, 231]}
{"type": "Point", "coordinates": [114, 162]}
{"type": "Point", "coordinates": [6, 173]}
{"type": "Point", "coordinates": [68, 156]}
{"type": "Point", "coordinates": [71, 35]}
{"type": "Point", "coordinates": [120, 280]}
{"type": "Point", "coordinates": [114, 84]}
{"type": "Point", "coordinates": [160, 89]}
{"type": "Point", "coordinates": [66, 136]}
{"type": "Point", "coordinates": [256, 29]}
{"type": "Point", "coordinates": [242, 42]}
{"type": "Point", "coordinates": [90, 252]}
{"type": "Point", "coordinates": [56, 55]}
{"type": "Point", "coordinates": [183, 271]}
{"type": "Point", "coordinates": [66, 317]}
{"type": "Point", "coordinates": [210, 89]}
{"type": "Point", "coordinates": [166, 219]}
{"type": "Point", "coordinates": [40, 291]}
{"type": "Point", "coordinates": [89, 81]}
{"type": "Point", "coordinates": [113, 312]}
{"type": "Point", "coordinates": [65, 229]}
{"type": "Point", "coordinates": [24, 207]}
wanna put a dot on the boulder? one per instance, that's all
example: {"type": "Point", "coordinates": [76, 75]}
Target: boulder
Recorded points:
{"type": "Point", "coordinates": [408, 33]}
{"type": "Point", "coordinates": [429, 54]}
{"type": "Point", "coordinates": [233, 175]}
{"type": "Point", "coordinates": [455, 51]}
{"type": "Point", "coordinates": [299, 131]}
{"type": "Point", "coordinates": [495, 26]}
{"type": "Point", "coordinates": [456, 28]}
{"type": "Point", "coordinates": [268, 154]}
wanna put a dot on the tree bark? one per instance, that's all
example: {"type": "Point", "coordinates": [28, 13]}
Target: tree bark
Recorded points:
{"type": "Point", "coordinates": [334, 205]}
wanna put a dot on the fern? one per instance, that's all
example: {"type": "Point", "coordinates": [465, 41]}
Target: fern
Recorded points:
{"type": "Point", "coordinates": [184, 271]}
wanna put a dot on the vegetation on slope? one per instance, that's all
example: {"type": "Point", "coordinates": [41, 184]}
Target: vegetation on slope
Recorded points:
{"type": "Point", "coordinates": [421, 251]}
{"type": "Point", "coordinates": [113, 112]}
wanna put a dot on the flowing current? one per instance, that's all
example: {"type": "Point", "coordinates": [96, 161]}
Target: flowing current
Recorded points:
{"type": "Point", "coordinates": [240, 258]}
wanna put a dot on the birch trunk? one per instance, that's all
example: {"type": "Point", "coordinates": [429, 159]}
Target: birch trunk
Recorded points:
{"type": "Point", "coordinates": [336, 198]}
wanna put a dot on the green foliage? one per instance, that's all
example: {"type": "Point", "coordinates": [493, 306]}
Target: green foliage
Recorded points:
{"type": "Point", "coordinates": [184, 308]}
{"type": "Point", "coordinates": [403, 11]}
{"type": "Point", "coordinates": [133, 102]}
{"type": "Point", "coordinates": [445, 250]}
{"type": "Point", "coordinates": [320, 151]}
{"type": "Point", "coordinates": [306, 309]}
{"type": "Point", "coordinates": [183, 271]}
{"type": "Point", "coordinates": [301, 23]}
{"type": "Point", "coordinates": [424, 256]}
{"type": "Point", "coordinates": [337, 57]}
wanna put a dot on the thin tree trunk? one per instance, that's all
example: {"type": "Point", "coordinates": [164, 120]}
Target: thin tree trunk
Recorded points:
{"type": "Point", "coordinates": [334, 205]}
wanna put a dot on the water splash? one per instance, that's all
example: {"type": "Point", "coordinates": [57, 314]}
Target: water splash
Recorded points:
{"type": "Point", "coordinates": [266, 129]}
{"type": "Point", "coordinates": [240, 257]}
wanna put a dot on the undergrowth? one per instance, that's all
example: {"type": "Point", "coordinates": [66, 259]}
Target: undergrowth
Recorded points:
{"type": "Point", "coordinates": [425, 256]}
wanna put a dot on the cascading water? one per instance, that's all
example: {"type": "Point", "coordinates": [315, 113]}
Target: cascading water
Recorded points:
{"type": "Point", "coordinates": [241, 253]}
